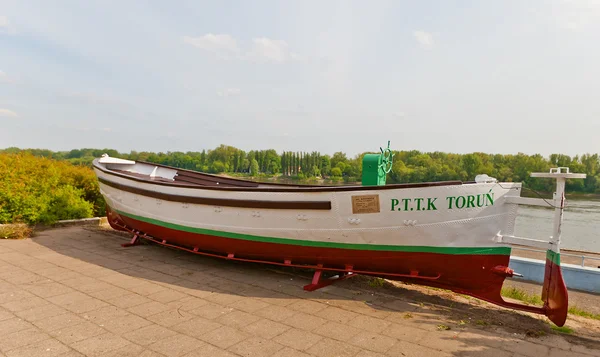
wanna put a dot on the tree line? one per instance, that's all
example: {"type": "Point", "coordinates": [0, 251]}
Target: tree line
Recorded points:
{"type": "Point", "coordinates": [408, 167]}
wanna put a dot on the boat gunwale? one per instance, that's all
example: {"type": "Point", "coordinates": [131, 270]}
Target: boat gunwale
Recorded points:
{"type": "Point", "coordinates": [285, 188]}
{"type": "Point", "coordinates": [226, 202]}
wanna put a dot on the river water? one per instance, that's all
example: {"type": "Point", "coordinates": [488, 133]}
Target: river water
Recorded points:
{"type": "Point", "coordinates": [580, 229]}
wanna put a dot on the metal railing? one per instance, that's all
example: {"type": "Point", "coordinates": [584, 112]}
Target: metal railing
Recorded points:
{"type": "Point", "coordinates": [583, 257]}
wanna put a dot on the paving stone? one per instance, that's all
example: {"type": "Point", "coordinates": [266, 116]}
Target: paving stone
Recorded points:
{"type": "Point", "coordinates": [365, 353]}
{"type": "Point", "coordinates": [305, 322]}
{"type": "Point", "coordinates": [87, 305]}
{"type": "Point", "coordinates": [128, 351]}
{"type": "Point", "coordinates": [556, 352]}
{"type": "Point", "coordinates": [48, 289]}
{"type": "Point", "coordinates": [237, 319]}
{"type": "Point", "coordinates": [5, 315]}
{"type": "Point", "coordinates": [95, 272]}
{"type": "Point", "coordinates": [75, 333]}
{"type": "Point", "coordinates": [526, 348]}
{"type": "Point", "coordinates": [224, 337]}
{"type": "Point", "coordinates": [369, 323]}
{"type": "Point", "coordinates": [82, 281]}
{"type": "Point", "coordinates": [146, 289]}
{"type": "Point", "coordinates": [196, 327]}
{"type": "Point", "coordinates": [21, 338]}
{"type": "Point", "coordinates": [337, 331]}
{"type": "Point", "coordinates": [15, 295]}
{"type": "Point", "coordinates": [123, 324]}
{"type": "Point", "coordinates": [60, 295]}
{"type": "Point", "coordinates": [149, 334]}
{"type": "Point", "coordinates": [46, 348]}
{"type": "Point", "coordinates": [332, 348]}
{"type": "Point", "coordinates": [167, 296]}
{"type": "Point", "coordinates": [69, 298]}
{"type": "Point", "coordinates": [129, 300]}
{"type": "Point", "coordinates": [121, 280]}
{"type": "Point", "coordinates": [336, 314]}
{"type": "Point", "coordinates": [148, 309]}
{"type": "Point", "coordinates": [297, 339]}
{"type": "Point", "coordinates": [188, 303]}
{"type": "Point", "coordinates": [307, 306]}
{"type": "Point", "coordinates": [407, 349]}
{"type": "Point", "coordinates": [100, 345]}
{"type": "Point", "coordinates": [477, 337]}
{"type": "Point", "coordinates": [210, 351]}
{"type": "Point", "coordinates": [276, 313]}
{"type": "Point", "coordinates": [279, 299]}
{"type": "Point", "coordinates": [171, 317]}
{"type": "Point", "coordinates": [266, 328]}
{"type": "Point", "coordinates": [13, 325]}
{"type": "Point", "coordinates": [109, 293]}
{"type": "Point", "coordinates": [177, 345]}
{"type": "Point", "coordinates": [585, 350]}
{"type": "Point", "coordinates": [256, 347]}
{"type": "Point", "coordinates": [405, 332]}
{"type": "Point", "coordinates": [249, 305]}
{"type": "Point", "coordinates": [211, 310]}
{"type": "Point", "coordinates": [149, 353]}
{"type": "Point", "coordinates": [22, 277]}
{"type": "Point", "coordinates": [104, 314]}
{"type": "Point", "coordinates": [57, 322]}
{"type": "Point", "coordinates": [71, 353]}
{"type": "Point", "coordinates": [373, 342]}
{"type": "Point", "coordinates": [59, 274]}
{"type": "Point", "coordinates": [290, 352]}
{"type": "Point", "coordinates": [93, 286]}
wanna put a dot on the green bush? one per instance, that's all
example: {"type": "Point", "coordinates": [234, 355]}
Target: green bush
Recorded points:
{"type": "Point", "coordinates": [66, 202]}
{"type": "Point", "coordinates": [41, 190]}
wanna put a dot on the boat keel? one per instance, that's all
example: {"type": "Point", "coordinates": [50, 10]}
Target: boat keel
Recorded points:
{"type": "Point", "coordinates": [554, 292]}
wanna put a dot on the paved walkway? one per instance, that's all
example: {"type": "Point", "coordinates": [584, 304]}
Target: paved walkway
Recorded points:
{"type": "Point", "coordinates": [75, 291]}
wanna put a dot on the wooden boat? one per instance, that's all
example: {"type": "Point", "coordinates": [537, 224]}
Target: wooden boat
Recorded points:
{"type": "Point", "coordinates": [452, 235]}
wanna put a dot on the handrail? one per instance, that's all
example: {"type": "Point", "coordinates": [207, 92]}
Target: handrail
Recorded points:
{"type": "Point", "coordinates": [582, 256]}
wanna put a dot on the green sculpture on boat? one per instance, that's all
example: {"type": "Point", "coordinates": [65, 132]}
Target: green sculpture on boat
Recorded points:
{"type": "Point", "coordinates": [376, 167]}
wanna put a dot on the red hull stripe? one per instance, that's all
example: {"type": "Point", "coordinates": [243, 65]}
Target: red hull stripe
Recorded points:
{"type": "Point", "coordinates": [307, 243]}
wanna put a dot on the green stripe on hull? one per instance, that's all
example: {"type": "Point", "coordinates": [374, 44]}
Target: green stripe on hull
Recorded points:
{"type": "Point", "coordinates": [308, 243]}
{"type": "Point", "coordinates": [553, 257]}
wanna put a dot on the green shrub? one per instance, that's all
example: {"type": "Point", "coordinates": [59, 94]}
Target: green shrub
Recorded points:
{"type": "Point", "coordinates": [66, 202]}
{"type": "Point", "coordinates": [41, 190]}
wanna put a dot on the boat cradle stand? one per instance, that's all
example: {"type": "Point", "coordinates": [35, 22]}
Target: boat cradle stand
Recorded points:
{"type": "Point", "coordinates": [317, 282]}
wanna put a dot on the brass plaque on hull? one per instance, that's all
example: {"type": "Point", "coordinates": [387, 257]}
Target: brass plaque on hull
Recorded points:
{"type": "Point", "coordinates": [365, 204]}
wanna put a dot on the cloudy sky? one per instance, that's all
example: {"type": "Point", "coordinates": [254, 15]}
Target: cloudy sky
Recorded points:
{"type": "Point", "coordinates": [461, 76]}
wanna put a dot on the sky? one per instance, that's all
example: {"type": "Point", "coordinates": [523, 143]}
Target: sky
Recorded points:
{"type": "Point", "coordinates": [301, 75]}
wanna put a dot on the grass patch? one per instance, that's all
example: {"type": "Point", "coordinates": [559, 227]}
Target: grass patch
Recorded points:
{"type": "Point", "coordinates": [443, 327]}
{"type": "Point", "coordinates": [574, 310]}
{"type": "Point", "coordinates": [518, 294]}
{"type": "Point", "coordinates": [15, 231]}
{"type": "Point", "coordinates": [377, 283]}
{"type": "Point", "coordinates": [535, 333]}
{"type": "Point", "coordinates": [563, 329]}
{"type": "Point", "coordinates": [521, 295]}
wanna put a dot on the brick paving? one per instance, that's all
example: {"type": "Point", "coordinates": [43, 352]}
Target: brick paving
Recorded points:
{"type": "Point", "coordinates": [76, 292]}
